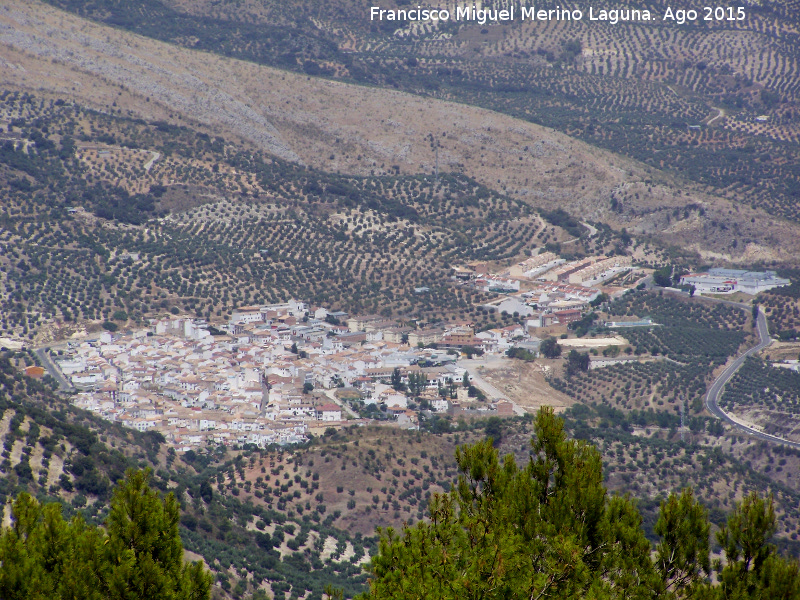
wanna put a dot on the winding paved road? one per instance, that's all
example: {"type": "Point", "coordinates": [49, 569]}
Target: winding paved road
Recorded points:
{"type": "Point", "coordinates": [716, 389]}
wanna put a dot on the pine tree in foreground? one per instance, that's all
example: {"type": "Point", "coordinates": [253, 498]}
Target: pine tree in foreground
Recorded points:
{"type": "Point", "coordinates": [137, 556]}
{"type": "Point", "coordinates": [550, 530]}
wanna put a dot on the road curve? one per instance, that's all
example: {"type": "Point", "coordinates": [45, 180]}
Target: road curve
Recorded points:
{"type": "Point", "coordinates": [720, 114]}
{"type": "Point", "coordinates": [716, 389]}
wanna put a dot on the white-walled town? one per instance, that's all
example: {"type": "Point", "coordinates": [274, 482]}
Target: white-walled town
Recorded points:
{"type": "Point", "coordinates": [277, 373]}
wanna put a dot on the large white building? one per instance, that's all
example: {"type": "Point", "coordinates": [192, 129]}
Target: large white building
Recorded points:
{"type": "Point", "coordinates": [727, 281]}
{"type": "Point", "coordinates": [247, 314]}
{"type": "Point", "coordinates": [329, 412]}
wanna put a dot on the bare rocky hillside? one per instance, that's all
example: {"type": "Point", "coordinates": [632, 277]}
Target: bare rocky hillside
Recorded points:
{"type": "Point", "coordinates": [346, 128]}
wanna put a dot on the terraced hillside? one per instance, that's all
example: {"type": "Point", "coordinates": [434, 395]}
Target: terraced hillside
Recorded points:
{"type": "Point", "coordinates": [54, 451]}
{"type": "Point", "coordinates": [782, 306]}
{"type": "Point", "coordinates": [368, 130]}
{"type": "Point", "coordinates": [673, 361]}
{"type": "Point", "coordinates": [295, 504]}
{"type": "Point", "coordinates": [295, 519]}
{"type": "Point", "coordinates": [766, 395]}
{"type": "Point", "coordinates": [646, 455]}
{"type": "Point", "coordinates": [715, 101]}
{"type": "Point", "coordinates": [95, 228]}
{"type": "Point", "coordinates": [61, 454]}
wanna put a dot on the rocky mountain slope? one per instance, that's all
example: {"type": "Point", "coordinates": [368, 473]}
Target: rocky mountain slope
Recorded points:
{"type": "Point", "coordinates": [335, 126]}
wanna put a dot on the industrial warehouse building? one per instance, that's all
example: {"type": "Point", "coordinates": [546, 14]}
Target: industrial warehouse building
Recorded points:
{"type": "Point", "coordinates": [727, 281]}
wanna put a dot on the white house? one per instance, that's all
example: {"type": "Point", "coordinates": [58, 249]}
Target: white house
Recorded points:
{"type": "Point", "coordinates": [512, 305]}
{"type": "Point", "coordinates": [329, 412]}
{"type": "Point", "coordinates": [246, 314]}
{"type": "Point", "coordinates": [70, 366]}
{"type": "Point", "coordinates": [395, 401]}
{"type": "Point", "coordinates": [440, 405]}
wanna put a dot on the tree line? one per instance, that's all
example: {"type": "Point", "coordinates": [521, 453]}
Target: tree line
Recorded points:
{"type": "Point", "coordinates": [138, 554]}
{"type": "Point", "coordinates": [549, 529]}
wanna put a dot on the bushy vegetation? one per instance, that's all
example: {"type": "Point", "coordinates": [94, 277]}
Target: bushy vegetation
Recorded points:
{"type": "Point", "coordinates": [657, 384]}
{"type": "Point", "coordinates": [759, 385]}
{"type": "Point", "coordinates": [563, 219]}
{"type": "Point", "coordinates": [548, 527]}
{"type": "Point", "coordinates": [137, 555]}
{"type": "Point", "coordinates": [687, 342]}
{"type": "Point", "coordinates": [56, 453]}
{"type": "Point", "coordinates": [645, 453]}
{"type": "Point", "coordinates": [671, 310]}
{"type": "Point", "coordinates": [684, 328]}
{"type": "Point", "coordinates": [59, 448]}
{"type": "Point", "coordinates": [782, 307]}
{"type": "Point", "coordinates": [360, 243]}
{"type": "Point", "coordinates": [295, 519]}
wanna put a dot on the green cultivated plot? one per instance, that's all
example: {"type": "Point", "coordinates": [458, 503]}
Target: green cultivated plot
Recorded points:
{"type": "Point", "coordinates": [758, 384]}
{"type": "Point", "coordinates": [675, 358]}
